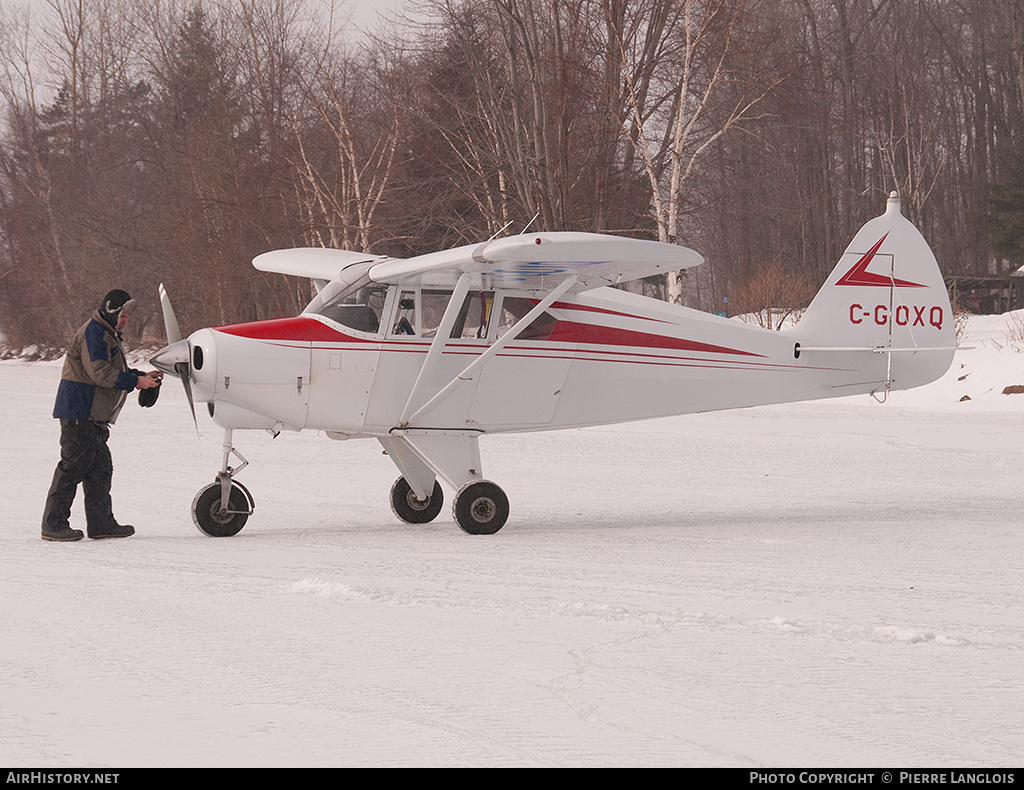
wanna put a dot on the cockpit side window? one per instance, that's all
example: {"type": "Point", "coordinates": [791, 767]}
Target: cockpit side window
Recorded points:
{"type": "Point", "coordinates": [419, 312]}
{"type": "Point", "coordinates": [432, 307]}
{"type": "Point", "coordinates": [405, 316]}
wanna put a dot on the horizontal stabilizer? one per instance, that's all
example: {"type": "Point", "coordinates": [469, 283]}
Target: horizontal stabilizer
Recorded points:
{"type": "Point", "coordinates": [878, 349]}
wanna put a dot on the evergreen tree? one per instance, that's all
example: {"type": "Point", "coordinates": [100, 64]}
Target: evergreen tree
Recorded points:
{"type": "Point", "coordinates": [1004, 221]}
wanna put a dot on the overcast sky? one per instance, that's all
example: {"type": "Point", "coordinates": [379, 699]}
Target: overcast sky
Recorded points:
{"type": "Point", "coordinates": [364, 12]}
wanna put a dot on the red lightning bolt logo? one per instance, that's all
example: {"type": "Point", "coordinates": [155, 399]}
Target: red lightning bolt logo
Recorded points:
{"type": "Point", "coordinates": [859, 275]}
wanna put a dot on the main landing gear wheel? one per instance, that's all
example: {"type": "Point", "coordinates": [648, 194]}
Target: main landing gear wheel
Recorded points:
{"type": "Point", "coordinates": [217, 523]}
{"type": "Point", "coordinates": [410, 508]}
{"type": "Point", "coordinates": [480, 508]}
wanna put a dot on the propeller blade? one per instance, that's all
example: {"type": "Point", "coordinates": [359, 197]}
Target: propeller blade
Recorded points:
{"type": "Point", "coordinates": [176, 358]}
{"type": "Point", "coordinates": [181, 368]}
{"type": "Point", "coordinates": [170, 321]}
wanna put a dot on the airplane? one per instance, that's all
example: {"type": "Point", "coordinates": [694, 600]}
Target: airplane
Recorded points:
{"type": "Point", "coordinates": [524, 333]}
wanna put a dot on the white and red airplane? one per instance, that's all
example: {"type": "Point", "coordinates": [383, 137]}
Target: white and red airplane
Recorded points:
{"type": "Point", "coordinates": [428, 354]}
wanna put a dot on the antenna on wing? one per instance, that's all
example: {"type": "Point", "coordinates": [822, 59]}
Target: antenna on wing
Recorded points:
{"type": "Point", "coordinates": [528, 224]}
{"type": "Point", "coordinates": [509, 223]}
{"type": "Point", "coordinates": [500, 230]}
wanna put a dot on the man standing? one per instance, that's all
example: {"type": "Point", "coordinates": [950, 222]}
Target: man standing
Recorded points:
{"type": "Point", "coordinates": [94, 385]}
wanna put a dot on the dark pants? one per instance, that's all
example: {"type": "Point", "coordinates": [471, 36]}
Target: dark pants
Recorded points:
{"type": "Point", "coordinates": [84, 458]}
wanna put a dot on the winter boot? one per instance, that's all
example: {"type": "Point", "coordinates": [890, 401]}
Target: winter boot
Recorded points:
{"type": "Point", "coordinates": [113, 530]}
{"type": "Point", "coordinates": [63, 533]}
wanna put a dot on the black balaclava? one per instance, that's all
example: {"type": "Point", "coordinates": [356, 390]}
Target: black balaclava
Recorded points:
{"type": "Point", "coordinates": [113, 304]}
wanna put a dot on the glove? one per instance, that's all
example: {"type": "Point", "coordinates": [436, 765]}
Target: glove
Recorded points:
{"type": "Point", "coordinates": [147, 397]}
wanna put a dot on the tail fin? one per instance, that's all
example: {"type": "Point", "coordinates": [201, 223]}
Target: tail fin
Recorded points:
{"type": "Point", "coordinates": [885, 295]}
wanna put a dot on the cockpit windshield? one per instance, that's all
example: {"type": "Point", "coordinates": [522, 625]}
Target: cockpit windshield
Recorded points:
{"type": "Point", "coordinates": [352, 299]}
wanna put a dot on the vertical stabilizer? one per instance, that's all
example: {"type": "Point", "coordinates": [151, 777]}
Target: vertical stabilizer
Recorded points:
{"type": "Point", "coordinates": [885, 295]}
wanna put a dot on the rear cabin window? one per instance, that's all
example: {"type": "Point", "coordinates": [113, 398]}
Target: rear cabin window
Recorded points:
{"type": "Point", "coordinates": [474, 316]}
{"type": "Point", "coordinates": [514, 308]}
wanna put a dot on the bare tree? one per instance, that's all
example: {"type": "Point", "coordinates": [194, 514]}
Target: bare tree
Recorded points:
{"type": "Point", "coordinates": [710, 84]}
{"type": "Point", "coordinates": [346, 154]}
{"type": "Point", "coordinates": [149, 140]}
{"type": "Point", "coordinates": [773, 294]}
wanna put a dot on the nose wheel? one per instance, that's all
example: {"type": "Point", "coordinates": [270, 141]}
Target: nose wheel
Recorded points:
{"type": "Point", "coordinates": [221, 509]}
{"type": "Point", "coordinates": [217, 520]}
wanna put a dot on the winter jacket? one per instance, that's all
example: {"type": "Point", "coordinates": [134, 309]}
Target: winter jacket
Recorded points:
{"type": "Point", "coordinates": [96, 379]}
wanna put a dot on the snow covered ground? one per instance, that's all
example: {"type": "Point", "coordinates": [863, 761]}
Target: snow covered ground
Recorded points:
{"type": "Point", "coordinates": [826, 584]}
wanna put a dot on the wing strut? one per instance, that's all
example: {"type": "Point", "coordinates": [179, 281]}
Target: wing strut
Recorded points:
{"type": "Point", "coordinates": [471, 370]}
{"type": "Point", "coordinates": [451, 314]}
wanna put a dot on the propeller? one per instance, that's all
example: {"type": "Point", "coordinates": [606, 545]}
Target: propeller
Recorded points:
{"type": "Point", "coordinates": [170, 322]}
{"type": "Point", "coordinates": [176, 358]}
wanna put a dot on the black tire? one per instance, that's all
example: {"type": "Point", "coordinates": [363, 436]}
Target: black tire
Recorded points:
{"type": "Point", "coordinates": [480, 508]}
{"type": "Point", "coordinates": [410, 508]}
{"type": "Point", "coordinates": [208, 518]}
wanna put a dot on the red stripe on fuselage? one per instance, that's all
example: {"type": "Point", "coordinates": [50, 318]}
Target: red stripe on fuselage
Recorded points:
{"type": "Point", "coordinates": [305, 330]}
{"type": "Point", "coordinates": [592, 334]}
{"type": "Point", "coordinates": [567, 306]}
{"type": "Point", "coordinates": [299, 328]}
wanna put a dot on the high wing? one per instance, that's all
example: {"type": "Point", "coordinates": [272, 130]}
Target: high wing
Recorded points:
{"type": "Point", "coordinates": [539, 261]}
{"type": "Point", "coordinates": [316, 263]}
{"type": "Point", "coordinates": [529, 262]}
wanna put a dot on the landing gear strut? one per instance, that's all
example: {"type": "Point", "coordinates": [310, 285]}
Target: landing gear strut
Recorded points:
{"type": "Point", "coordinates": [424, 456]}
{"type": "Point", "coordinates": [221, 509]}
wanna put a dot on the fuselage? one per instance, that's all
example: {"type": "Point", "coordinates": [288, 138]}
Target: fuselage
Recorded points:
{"type": "Point", "coordinates": [348, 366]}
